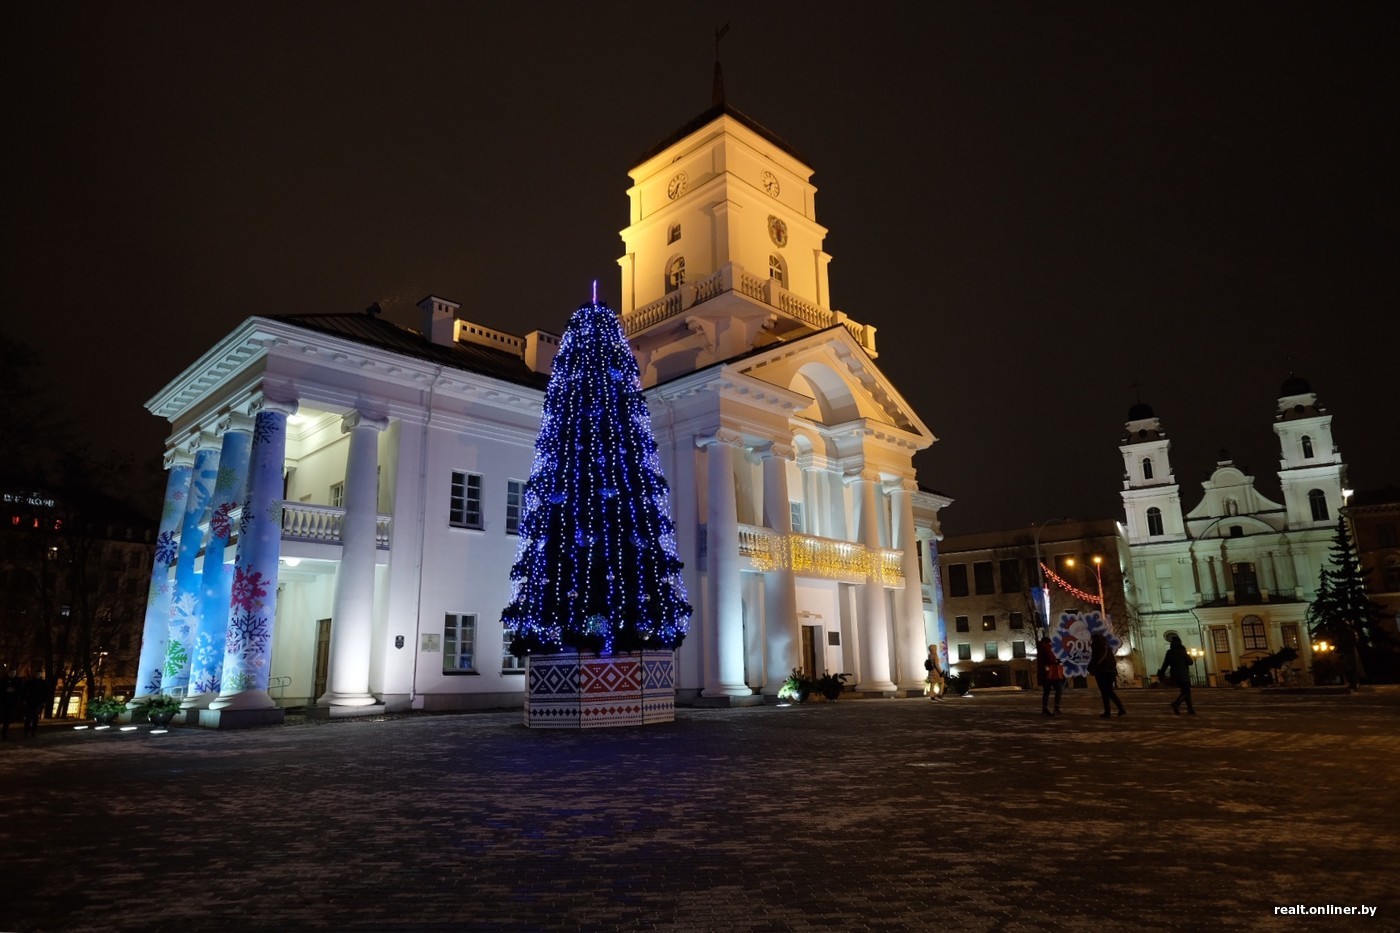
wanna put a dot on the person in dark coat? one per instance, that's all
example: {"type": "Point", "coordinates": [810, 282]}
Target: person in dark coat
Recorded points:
{"type": "Point", "coordinates": [36, 693]}
{"type": "Point", "coordinates": [1050, 674]}
{"type": "Point", "coordinates": [11, 690]}
{"type": "Point", "coordinates": [1177, 666]}
{"type": "Point", "coordinates": [1104, 667]}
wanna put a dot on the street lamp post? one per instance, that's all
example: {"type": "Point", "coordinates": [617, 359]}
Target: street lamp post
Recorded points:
{"type": "Point", "coordinates": [1198, 655]}
{"type": "Point", "coordinates": [1044, 606]}
{"type": "Point", "coordinates": [1098, 578]}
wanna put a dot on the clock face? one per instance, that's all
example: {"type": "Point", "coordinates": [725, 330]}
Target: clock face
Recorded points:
{"type": "Point", "coordinates": [778, 231]}
{"type": "Point", "coordinates": [677, 186]}
{"type": "Point", "coordinates": [770, 184]}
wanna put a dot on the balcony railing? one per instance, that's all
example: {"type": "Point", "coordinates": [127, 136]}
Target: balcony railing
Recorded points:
{"type": "Point", "coordinates": [766, 290]}
{"type": "Point", "coordinates": [322, 524]}
{"type": "Point", "coordinates": [827, 558]}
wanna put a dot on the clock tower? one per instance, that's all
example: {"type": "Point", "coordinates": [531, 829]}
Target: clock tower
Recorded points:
{"type": "Point", "coordinates": [723, 253]}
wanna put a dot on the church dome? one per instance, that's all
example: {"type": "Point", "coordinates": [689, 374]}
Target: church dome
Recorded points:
{"type": "Point", "coordinates": [1140, 411]}
{"type": "Point", "coordinates": [1294, 385]}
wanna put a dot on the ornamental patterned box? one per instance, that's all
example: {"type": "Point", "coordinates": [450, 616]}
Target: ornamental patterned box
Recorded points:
{"type": "Point", "coordinates": [572, 691]}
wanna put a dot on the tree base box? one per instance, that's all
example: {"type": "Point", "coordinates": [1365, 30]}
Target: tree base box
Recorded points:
{"type": "Point", "coordinates": [585, 691]}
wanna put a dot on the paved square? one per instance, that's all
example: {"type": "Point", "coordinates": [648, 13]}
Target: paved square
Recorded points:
{"type": "Point", "coordinates": [970, 814]}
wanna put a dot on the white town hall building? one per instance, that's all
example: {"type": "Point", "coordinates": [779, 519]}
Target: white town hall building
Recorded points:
{"type": "Point", "coordinates": [389, 465]}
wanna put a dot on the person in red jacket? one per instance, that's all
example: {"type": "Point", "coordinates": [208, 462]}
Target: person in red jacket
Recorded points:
{"type": "Point", "coordinates": [1050, 674]}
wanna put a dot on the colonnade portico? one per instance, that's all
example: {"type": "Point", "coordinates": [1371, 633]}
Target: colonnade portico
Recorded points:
{"type": "Point", "coordinates": [783, 556]}
{"type": "Point", "coordinates": [209, 629]}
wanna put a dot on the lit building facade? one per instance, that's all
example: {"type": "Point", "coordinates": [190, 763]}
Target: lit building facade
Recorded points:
{"type": "Point", "coordinates": [384, 471]}
{"type": "Point", "coordinates": [1234, 575]}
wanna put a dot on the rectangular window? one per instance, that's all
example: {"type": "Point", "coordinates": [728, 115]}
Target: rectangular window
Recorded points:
{"type": "Point", "coordinates": [465, 508]}
{"type": "Point", "coordinates": [795, 511]}
{"type": "Point", "coordinates": [1289, 632]}
{"type": "Point", "coordinates": [1018, 621]}
{"type": "Point", "coordinates": [515, 503]}
{"type": "Point", "coordinates": [337, 495]}
{"type": "Point", "coordinates": [458, 642]}
{"type": "Point", "coordinates": [982, 578]}
{"type": "Point", "coordinates": [673, 234]}
{"type": "Point", "coordinates": [919, 550]}
{"type": "Point", "coordinates": [990, 652]}
{"type": "Point", "coordinates": [1246, 583]}
{"type": "Point", "coordinates": [1221, 639]}
{"type": "Point", "coordinates": [1391, 578]}
{"type": "Point", "coordinates": [960, 623]}
{"type": "Point", "coordinates": [1385, 535]}
{"type": "Point", "coordinates": [1167, 592]}
{"type": "Point", "coordinates": [957, 580]}
{"type": "Point", "coordinates": [989, 623]}
{"type": "Point", "coordinates": [964, 651]}
{"type": "Point", "coordinates": [509, 662]}
{"type": "Point", "coordinates": [1011, 576]}
{"type": "Point", "coordinates": [1018, 649]}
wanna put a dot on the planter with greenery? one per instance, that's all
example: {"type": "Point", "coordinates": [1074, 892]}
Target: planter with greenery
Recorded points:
{"type": "Point", "coordinates": [161, 708]}
{"type": "Point", "coordinates": [106, 709]}
{"type": "Point", "coordinates": [796, 688]}
{"type": "Point", "coordinates": [831, 685]}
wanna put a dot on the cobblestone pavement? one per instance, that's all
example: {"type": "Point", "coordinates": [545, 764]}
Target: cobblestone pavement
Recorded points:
{"type": "Point", "coordinates": [969, 814]}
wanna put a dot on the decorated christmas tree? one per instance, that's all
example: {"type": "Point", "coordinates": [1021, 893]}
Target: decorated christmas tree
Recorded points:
{"type": "Point", "coordinates": [596, 569]}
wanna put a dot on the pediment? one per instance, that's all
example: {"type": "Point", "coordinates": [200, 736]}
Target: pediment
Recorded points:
{"type": "Point", "coordinates": [841, 379]}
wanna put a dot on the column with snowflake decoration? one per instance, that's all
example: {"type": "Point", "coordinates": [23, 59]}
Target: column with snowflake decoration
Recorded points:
{"type": "Point", "coordinates": [186, 600]}
{"type": "Point", "coordinates": [599, 606]}
{"type": "Point", "coordinates": [253, 600]}
{"type": "Point", "coordinates": [216, 579]}
{"type": "Point", "coordinates": [150, 674]}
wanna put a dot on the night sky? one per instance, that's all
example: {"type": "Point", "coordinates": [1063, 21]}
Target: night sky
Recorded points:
{"type": "Point", "coordinates": [1048, 210]}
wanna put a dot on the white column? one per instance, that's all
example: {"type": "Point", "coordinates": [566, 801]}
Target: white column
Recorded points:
{"type": "Point", "coordinates": [909, 602]}
{"type": "Point", "coordinates": [186, 601]}
{"type": "Point", "coordinates": [812, 518]}
{"type": "Point", "coordinates": [724, 636]}
{"type": "Point", "coordinates": [352, 612]}
{"type": "Point", "coordinates": [834, 515]}
{"type": "Point", "coordinates": [874, 621]}
{"type": "Point", "coordinates": [779, 585]}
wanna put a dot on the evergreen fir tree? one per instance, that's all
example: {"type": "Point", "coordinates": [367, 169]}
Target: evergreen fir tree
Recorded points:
{"type": "Point", "coordinates": [596, 568]}
{"type": "Point", "coordinates": [1343, 613]}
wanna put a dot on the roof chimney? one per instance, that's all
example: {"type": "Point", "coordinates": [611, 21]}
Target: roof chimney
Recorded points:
{"type": "Point", "coordinates": [439, 320]}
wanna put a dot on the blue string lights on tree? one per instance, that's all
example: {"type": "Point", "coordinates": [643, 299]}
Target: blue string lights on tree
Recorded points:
{"type": "Point", "coordinates": [596, 568]}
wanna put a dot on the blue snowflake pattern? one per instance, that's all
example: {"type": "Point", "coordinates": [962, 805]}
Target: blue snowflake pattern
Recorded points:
{"type": "Point", "coordinates": [165, 549]}
{"type": "Point", "coordinates": [206, 682]}
{"type": "Point", "coordinates": [248, 635]}
{"type": "Point", "coordinates": [153, 682]}
{"type": "Point", "coordinates": [264, 426]}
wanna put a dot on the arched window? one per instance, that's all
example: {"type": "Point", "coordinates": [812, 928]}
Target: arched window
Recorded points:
{"type": "Point", "coordinates": [1146, 467]}
{"type": "Point", "coordinates": [777, 270]}
{"type": "Point", "coordinates": [1318, 500]}
{"type": "Point", "coordinates": [1307, 447]}
{"type": "Point", "coordinates": [1154, 522]}
{"type": "Point", "coordinates": [675, 274]}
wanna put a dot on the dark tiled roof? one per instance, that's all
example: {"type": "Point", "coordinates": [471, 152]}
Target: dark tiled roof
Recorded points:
{"type": "Point", "coordinates": [714, 113]}
{"type": "Point", "coordinates": [372, 330]}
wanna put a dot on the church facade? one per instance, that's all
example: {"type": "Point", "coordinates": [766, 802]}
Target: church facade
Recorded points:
{"type": "Point", "coordinates": [344, 493]}
{"type": "Point", "coordinates": [1232, 576]}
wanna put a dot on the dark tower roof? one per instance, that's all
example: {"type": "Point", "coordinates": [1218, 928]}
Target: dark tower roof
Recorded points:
{"type": "Point", "coordinates": [1294, 385]}
{"type": "Point", "coordinates": [714, 113]}
{"type": "Point", "coordinates": [1140, 411]}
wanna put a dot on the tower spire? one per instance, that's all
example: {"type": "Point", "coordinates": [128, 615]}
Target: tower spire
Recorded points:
{"type": "Point", "coordinates": [717, 91]}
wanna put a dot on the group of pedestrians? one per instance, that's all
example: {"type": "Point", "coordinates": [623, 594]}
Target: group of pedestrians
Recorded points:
{"type": "Point", "coordinates": [22, 695]}
{"type": "Point", "coordinates": [1050, 675]}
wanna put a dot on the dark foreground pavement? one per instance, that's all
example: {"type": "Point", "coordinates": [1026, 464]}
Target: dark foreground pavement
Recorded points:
{"type": "Point", "coordinates": [975, 814]}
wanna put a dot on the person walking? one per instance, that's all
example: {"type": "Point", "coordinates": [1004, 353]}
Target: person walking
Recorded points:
{"type": "Point", "coordinates": [11, 688]}
{"type": "Point", "coordinates": [1050, 674]}
{"type": "Point", "coordinates": [1177, 665]}
{"type": "Point", "coordinates": [935, 674]}
{"type": "Point", "coordinates": [36, 691]}
{"type": "Point", "coordinates": [1104, 667]}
